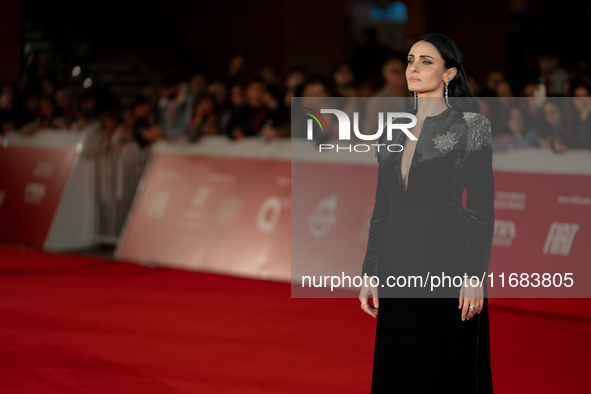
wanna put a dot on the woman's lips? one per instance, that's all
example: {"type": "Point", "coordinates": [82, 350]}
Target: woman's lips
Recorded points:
{"type": "Point", "coordinates": [414, 79]}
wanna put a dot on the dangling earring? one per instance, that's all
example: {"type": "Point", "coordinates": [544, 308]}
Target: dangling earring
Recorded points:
{"type": "Point", "coordinates": [415, 99]}
{"type": "Point", "coordinates": [446, 93]}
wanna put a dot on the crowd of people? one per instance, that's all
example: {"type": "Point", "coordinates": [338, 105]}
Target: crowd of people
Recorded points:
{"type": "Point", "coordinates": [551, 111]}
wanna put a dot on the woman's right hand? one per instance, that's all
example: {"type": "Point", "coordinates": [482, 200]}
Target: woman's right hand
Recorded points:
{"type": "Point", "coordinates": [367, 292]}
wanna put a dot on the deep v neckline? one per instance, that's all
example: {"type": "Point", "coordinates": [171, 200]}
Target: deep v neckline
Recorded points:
{"type": "Point", "coordinates": [405, 190]}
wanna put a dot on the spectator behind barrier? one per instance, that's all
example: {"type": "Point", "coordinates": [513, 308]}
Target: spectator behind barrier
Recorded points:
{"type": "Point", "coordinates": [254, 117]}
{"type": "Point", "coordinates": [141, 109]}
{"type": "Point", "coordinates": [236, 99]}
{"type": "Point", "coordinates": [63, 105]}
{"type": "Point", "coordinates": [175, 105]}
{"type": "Point", "coordinates": [580, 91]}
{"type": "Point", "coordinates": [554, 77]}
{"type": "Point", "coordinates": [101, 142]}
{"type": "Point", "coordinates": [554, 125]}
{"type": "Point", "coordinates": [145, 132]}
{"type": "Point", "coordinates": [314, 95]}
{"type": "Point", "coordinates": [45, 119]}
{"type": "Point", "coordinates": [123, 136]}
{"type": "Point", "coordinates": [197, 83]}
{"type": "Point", "coordinates": [87, 112]}
{"type": "Point", "coordinates": [517, 131]}
{"type": "Point", "coordinates": [394, 75]}
{"type": "Point", "coordinates": [8, 108]}
{"type": "Point", "coordinates": [137, 122]}
{"type": "Point", "coordinates": [205, 119]}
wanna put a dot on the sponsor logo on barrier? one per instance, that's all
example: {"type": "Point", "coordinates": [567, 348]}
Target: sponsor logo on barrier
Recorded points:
{"type": "Point", "coordinates": [34, 193]}
{"type": "Point", "coordinates": [323, 217]}
{"type": "Point", "coordinates": [228, 178]}
{"type": "Point", "coordinates": [283, 181]}
{"type": "Point", "coordinates": [43, 170]}
{"type": "Point", "coordinates": [560, 238]}
{"type": "Point", "coordinates": [158, 204]}
{"type": "Point", "coordinates": [229, 210]}
{"type": "Point", "coordinates": [510, 200]}
{"type": "Point", "coordinates": [269, 213]}
{"type": "Point", "coordinates": [201, 196]}
{"type": "Point", "coordinates": [504, 233]}
{"type": "Point", "coordinates": [575, 200]}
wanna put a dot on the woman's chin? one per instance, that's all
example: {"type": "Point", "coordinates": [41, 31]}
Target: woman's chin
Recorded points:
{"type": "Point", "coordinates": [414, 88]}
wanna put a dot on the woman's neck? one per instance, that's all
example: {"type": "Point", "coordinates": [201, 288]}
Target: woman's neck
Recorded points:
{"type": "Point", "coordinates": [430, 106]}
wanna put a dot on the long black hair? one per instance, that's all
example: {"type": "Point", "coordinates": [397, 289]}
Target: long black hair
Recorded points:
{"type": "Point", "coordinates": [461, 97]}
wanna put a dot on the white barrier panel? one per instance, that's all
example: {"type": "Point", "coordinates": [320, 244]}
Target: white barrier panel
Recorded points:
{"type": "Point", "coordinates": [45, 190]}
{"type": "Point", "coordinates": [217, 206]}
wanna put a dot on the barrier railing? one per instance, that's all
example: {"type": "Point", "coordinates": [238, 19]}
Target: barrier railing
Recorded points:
{"type": "Point", "coordinates": [117, 174]}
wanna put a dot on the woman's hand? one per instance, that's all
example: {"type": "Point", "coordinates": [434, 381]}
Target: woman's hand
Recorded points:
{"type": "Point", "coordinates": [471, 293]}
{"type": "Point", "coordinates": [368, 291]}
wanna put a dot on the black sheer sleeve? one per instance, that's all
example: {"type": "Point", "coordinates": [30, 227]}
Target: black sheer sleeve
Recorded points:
{"type": "Point", "coordinates": [378, 220]}
{"type": "Point", "coordinates": [480, 186]}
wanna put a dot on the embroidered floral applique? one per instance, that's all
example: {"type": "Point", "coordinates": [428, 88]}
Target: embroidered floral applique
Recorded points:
{"type": "Point", "coordinates": [444, 142]}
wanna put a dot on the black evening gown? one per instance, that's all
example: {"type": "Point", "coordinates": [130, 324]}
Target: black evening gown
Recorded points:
{"type": "Point", "coordinates": [422, 345]}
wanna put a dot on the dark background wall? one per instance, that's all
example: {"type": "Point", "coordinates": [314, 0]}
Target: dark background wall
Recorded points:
{"type": "Point", "coordinates": [202, 36]}
{"type": "Point", "coordinates": [10, 43]}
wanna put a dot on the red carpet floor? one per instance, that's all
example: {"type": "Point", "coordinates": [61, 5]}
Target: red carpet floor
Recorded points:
{"type": "Point", "coordinates": [80, 325]}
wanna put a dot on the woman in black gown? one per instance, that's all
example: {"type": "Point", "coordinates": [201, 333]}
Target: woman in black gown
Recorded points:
{"type": "Point", "coordinates": [433, 343]}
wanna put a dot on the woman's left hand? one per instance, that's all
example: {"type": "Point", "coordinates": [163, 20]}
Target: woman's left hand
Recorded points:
{"type": "Point", "coordinates": [471, 294]}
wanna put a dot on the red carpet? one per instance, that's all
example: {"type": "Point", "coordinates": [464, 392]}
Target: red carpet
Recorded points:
{"type": "Point", "coordinates": [79, 325]}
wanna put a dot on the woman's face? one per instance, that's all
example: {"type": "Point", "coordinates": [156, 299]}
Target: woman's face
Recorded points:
{"type": "Point", "coordinates": [128, 117]}
{"type": "Point", "coordinates": [315, 90]}
{"type": "Point", "coordinates": [503, 89]}
{"type": "Point", "coordinates": [236, 96]}
{"type": "Point", "coordinates": [493, 78]}
{"type": "Point", "coordinates": [294, 79]}
{"type": "Point", "coordinates": [46, 108]}
{"type": "Point", "coordinates": [516, 123]}
{"type": "Point", "coordinates": [110, 124]}
{"type": "Point", "coordinates": [7, 93]}
{"type": "Point", "coordinates": [552, 113]}
{"type": "Point", "coordinates": [582, 99]}
{"type": "Point", "coordinates": [344, 75]}
{"type": "Point", "coordinates": [529, 90]}
{"type": "Point", "coordinates": [425, 71]}
{"type": "Point", "coordinates": [206, 106]}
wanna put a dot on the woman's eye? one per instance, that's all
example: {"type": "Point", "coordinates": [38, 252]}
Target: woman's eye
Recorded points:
{"type": "Point", "coordinates": [426, 62]}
